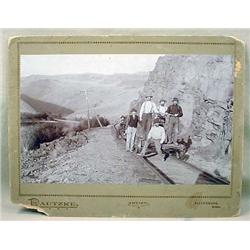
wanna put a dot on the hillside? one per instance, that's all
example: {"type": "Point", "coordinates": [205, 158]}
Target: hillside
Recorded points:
{"type": "Point", "coordinates": [43, 107]}
{"type": "Point", "coordinates": [109, 95]}
{"type": "Point", "coordinates": [26, 108]}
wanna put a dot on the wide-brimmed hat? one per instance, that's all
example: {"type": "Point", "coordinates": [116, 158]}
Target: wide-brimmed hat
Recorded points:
{"type": "Point", "coordinates": [162, 100]}
{"type": "Point", "coordinates": [175, 99]}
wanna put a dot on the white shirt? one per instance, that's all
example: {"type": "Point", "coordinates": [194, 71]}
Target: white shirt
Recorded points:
{"type": "Point", "coordinates": [162, 109]}
{"type": "Point", "coordinates": [157, 133]}
{"type": "Point", "coordinates": [148, 107]}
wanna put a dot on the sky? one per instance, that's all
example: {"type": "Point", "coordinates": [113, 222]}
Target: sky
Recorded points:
{"type": "Point", "coordinates": [87, 63]}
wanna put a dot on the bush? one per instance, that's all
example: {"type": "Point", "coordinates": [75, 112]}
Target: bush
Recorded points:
{"type": "Point", "coordinates": [48, 132]}
{"type": "Point", "coordinates": [26, 115]}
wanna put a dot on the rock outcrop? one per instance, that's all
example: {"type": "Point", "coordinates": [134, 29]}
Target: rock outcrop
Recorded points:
{"type": "Point", "coordinates": [204, 86]}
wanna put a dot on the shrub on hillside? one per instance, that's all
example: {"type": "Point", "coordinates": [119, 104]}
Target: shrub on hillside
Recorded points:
{"type": "Point", "coordinates": [48, 132]}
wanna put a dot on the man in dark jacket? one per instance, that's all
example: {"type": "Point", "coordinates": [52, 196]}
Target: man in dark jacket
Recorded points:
{"type": "Point", "coordinates": [175, 112]}
{"type": "Point", "coordinates": [132, 123]}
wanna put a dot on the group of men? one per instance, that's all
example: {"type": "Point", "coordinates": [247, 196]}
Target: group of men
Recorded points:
{"type": "Point", "coordinates": [159, 124]}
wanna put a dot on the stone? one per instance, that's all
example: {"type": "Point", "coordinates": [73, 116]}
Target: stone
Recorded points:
{"type": "Point", "coordinates": [204, 86]}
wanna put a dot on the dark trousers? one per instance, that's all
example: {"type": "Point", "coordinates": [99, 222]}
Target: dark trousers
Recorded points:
{"type": "Point", "coordinates": [173, 129]}
{"type": "Point", "coordinates": [146, 123]}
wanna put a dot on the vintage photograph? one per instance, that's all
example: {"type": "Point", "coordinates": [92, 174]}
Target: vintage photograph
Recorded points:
{"type": "Point", "coordinates": [126, 118]}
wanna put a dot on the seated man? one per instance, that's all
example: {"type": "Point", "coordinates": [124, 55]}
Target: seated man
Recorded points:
{"type": "Point", "coordinates": [156, 135]}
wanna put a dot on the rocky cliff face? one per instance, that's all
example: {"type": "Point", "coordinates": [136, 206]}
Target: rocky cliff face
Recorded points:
{"type": "Point", "coordinates": [204, 86]}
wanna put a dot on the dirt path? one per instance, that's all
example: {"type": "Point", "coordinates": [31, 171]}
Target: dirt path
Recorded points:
{"type": "Point", "coordinates": [102, 160]}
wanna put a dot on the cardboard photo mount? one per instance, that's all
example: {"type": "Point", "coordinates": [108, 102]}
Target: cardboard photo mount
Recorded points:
{"type": "Point", "coordinates": [118, 200]}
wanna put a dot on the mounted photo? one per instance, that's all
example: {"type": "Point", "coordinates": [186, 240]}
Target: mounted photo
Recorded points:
{"type": "Point", "coordinates": [139, 122]}
{"type": "Point", "coordinates": [126, 119]}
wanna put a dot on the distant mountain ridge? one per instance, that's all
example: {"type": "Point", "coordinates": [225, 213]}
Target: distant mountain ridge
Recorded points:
{"type": "Point", "coordinates": [108, 95]}
{"type": "Point", "coordinates": [45, 107]}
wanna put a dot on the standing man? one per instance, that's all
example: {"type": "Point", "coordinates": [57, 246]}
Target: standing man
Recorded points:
{"type": "Point", "coordinates": [132, 123]}
{"type": "Point", "coordinates": [162, 109]}
{"type": "Point", "coordinates": [156, 135]}
{"type": "Point", "coordinates": [175, 112]}
{"type": "Point", "coordinates": [121, 127]}
{"type": "Point", "coordinates": [147, 110]}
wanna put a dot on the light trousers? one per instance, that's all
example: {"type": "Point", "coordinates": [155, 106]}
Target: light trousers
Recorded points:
{"type": "Point", "coordinates": [157, 145]}
{"type": "Point", "coordinates": [130, 141]}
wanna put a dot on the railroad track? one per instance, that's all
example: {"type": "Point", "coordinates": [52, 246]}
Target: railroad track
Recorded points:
{"type": "Point", "coordinates": [208, 176]}
{"type": "Point", "coordinates": [164, 178]}
{"type": "Point", "coordinates": [211, 179]}
{"type": "Point", "coordinates": [203, 175]}
{"type": "Point", "coordinates": [159, 172]}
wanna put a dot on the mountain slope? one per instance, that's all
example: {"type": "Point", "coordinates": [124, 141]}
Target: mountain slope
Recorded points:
{"type": "Point", "coordinates": [44, 107]}
{"type": "Point", "coordinates": [108, 95]}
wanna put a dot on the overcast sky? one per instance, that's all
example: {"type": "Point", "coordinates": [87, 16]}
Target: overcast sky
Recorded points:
{"type": "Point", "coordinates": [79, 64]}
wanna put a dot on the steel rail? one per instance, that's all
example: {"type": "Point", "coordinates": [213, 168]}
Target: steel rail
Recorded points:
{"type": "Point", "coordinates": [209, 176]}
{"type": "Point", "coordinates": [166, 179]}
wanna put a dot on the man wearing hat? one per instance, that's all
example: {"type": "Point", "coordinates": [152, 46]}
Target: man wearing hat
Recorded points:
{"type": "Point", "coordinates": [156, 135]}
{"type": "Point", "coordinates": [175, 112]}
{"type": "Point", "coordinates": [162, 110]}
{"type": "Point", "coordinates": [131, 125]}
{"type": "Point", "coordinates": [147, 110]}
{"type": "Point", "coordinates": [121, 127]}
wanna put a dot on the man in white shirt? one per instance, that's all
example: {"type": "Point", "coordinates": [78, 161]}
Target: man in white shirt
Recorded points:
{"type": "Point", "coordinates": [156, 135]}
{"type": "Point", "coordinates": [162, 108]}
{"type": "Point", "coordinates": [147, 110]}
